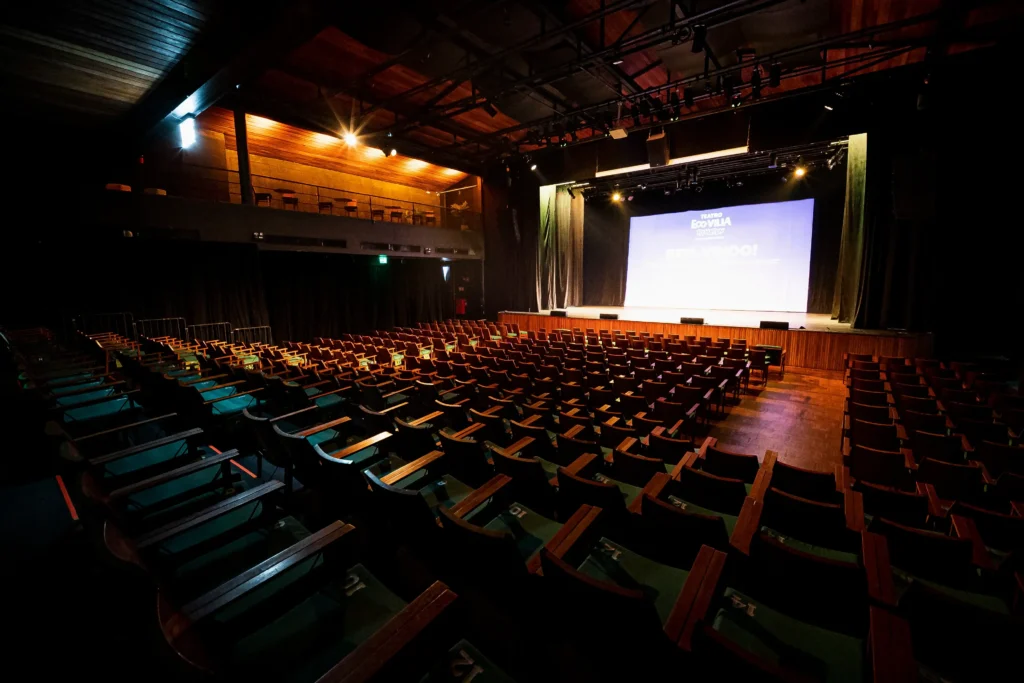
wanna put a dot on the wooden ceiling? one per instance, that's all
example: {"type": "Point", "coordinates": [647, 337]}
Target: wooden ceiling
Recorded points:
{"type": "Point", "coordinates": [280, 141]}
{"type": "Point", "coordinates": [89, 61]}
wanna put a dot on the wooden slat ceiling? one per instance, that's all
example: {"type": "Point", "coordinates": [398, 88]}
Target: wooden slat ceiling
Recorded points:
{"type": "Point", "coordinates": [273, 139]}
{"type": "Point", "coordinates": [91, 61]}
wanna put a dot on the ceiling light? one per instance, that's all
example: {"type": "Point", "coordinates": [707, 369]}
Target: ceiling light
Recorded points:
{"type": "Point", "coordinates": [828, 106]}
{"type": "Point", "coordinates": [187, 129]}
{"type": "Point", "coordinates": [350, 138]}
{"type": "Point", "coordinates": [617, 62]}
{"type": "Point", "coordinates": [533, 167]}
{"type": "Point", "coordinates": [799, 171]}
{"type": "Point", "coordinates": [393, 152]}
{"type": "Point", "coordinates": [616, 197]}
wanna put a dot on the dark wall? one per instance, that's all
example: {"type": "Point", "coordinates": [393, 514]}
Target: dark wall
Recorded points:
{"type": "Point", "coordinates": [301, 295]}
{"type": "Point", "coordinates": [606, 229]}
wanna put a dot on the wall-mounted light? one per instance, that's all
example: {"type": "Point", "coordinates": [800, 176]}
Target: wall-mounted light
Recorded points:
{"type": "Point", "coordinates": [187, 130]}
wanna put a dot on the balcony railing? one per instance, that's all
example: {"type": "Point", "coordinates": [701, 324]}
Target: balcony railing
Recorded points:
{"type": "Point", "coordinates": [215, 184]}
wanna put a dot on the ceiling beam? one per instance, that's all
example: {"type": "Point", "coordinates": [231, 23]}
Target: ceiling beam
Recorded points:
{"type": "Point", "coordinates": [238, 46]}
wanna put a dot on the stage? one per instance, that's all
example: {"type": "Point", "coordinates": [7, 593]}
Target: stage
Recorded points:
{"type": "Point", "coordinates": [814, 340]}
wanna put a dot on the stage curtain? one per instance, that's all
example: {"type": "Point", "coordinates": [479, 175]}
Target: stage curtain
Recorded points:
{"type": "Point", "coordinates": [560, 248]}
{"type": "Point", "coordinates": [847, 293]}
{"type": "Point", "coordinates": [511, 215]}
{"type": "Point", "coordinates": [605, 250]}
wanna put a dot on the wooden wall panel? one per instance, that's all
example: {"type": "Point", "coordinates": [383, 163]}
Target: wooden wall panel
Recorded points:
{"type": "Point", "coordinates": [804, 348]}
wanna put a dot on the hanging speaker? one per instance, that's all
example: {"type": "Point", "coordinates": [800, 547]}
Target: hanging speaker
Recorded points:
{"type": "Point", "coordinates": [557, 314]}
{"type": "Point", "coordinates": [609, 316]}
{"type": "Point", "coordinates": [691, 321]}
{"type": "Point", "coordinates": [774, 325]}
{"type": "Point", "coordinates": [657, 149]}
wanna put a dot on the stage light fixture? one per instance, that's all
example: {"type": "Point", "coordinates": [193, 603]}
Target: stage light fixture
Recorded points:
{"type": "Point", "coordinates": [727, 86]}
{"type": "Point", "coordinates": [829, 107]}
{"type": "Point", "coordinates": [775, 74]}
{"type": "Point", "coordinates": [629, 198]}
{"type": "Point", "coordinates": [393, 152]}
{"type": "Point", "coordinates": [533, 167]}
{"type": "Point", "coordinates": [700, 34]}
{"type": "Point", "coordinates": [755, 82]}
{"type": "Point", "coordinates": [799, 172]}
{"type": "Point", "coordinates": [688, 97]}
{"type": "Point", "coordinates": [350, 138]}
{"type": "Point", "coordinates": [187, 130]}
{"type": "Point", "coordinates": [616, 197]}
{"type": "Point", "coordinates": [635, 113]}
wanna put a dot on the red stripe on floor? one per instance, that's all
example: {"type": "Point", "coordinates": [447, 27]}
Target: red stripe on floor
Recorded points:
{"type": "Point", "coordinates": [242, 468]}
{"type": "Point", "coordinates": [67, 499]}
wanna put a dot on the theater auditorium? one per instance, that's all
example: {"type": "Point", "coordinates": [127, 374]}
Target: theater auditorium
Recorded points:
{"type": "Point", "coordinates": [512, 341]}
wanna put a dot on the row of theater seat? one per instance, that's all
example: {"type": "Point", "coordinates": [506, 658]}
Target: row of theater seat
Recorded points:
{"type": "Point", "coordinates": [587, 533]}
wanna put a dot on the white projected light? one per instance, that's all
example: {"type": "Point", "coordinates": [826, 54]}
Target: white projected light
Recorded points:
{"type": "Point", "coordinates": [187, 130]}
{"type": "Point", "coordinates": [754, 257]}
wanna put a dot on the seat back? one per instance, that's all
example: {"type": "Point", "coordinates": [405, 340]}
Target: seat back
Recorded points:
{"type": "Point", "coordinates": [822, 524]}
{"type": "Point", "coordinates": [635, 469]}
{"type": "Point", "coordinates": [809, 484]}
{"type": "Point", "coordinates": [904, 507]}
{"type": "Point", "coordinates": [952, 482]}
{"type": "Point", "coordinates": [874, 435]}
{"type": "Point", "coordinates": [888, 468]}
{"type": "Point", "coordinates": [1000, 531]}
{"type": "Point", "coordinates": [999, 458]}
{"type": "Point", "coordinates": [729, 464]}
{"type": "Point", "coordinates": [927, 554]}
{"type": "Point", "coordinates": [709, 491]}
{"type": "Point", "coordinates": [674, 536]}
{"type": "Point", "coordinates": [574, 491]}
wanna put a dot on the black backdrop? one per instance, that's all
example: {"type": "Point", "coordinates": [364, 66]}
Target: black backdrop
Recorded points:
{"type": "Point", "coordinates": [606, 229]}
{"type": "Point", "coordinates": [301, 295]}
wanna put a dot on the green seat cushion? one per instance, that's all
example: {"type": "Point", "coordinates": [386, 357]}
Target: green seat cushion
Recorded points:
{"type": "Point", "coordinates": [464, 662]}
{"type": "Point", "coordinates": [629, 492]}
{"type": "Point", "coordinates": [205, 384]}
{"type": "Point", "coordinates": [614, 563]}
{"type": "Point", "coordinates": [550, 467]}
{"type": "Point", "coordinates": [223, 392]}
{"type": "Point", "coordinates": [57, 391]}
{"type": "Point", "coordinates": [443, 491]}
{"type": "Point", "coordinates": [316, 632]}
{"type": "Point", "coordinates": [146, 458]}
{"type": "Point", "coordinates": [903, 580]}
{"type": "Point", "coordinates": [82, 398]}
{"type": "Point", "coordinates": [188, 490]}
{"type": "Point", "coordinates": [321, 437]}
{"type": "Point", "coordinates": [820, 551]}
{"type": "Point", "coordinates": [327, 401]}
{"type": "Point", "coordinates": [396, 399]}
{"type": "Point", "coordinates": [730, 520]}
{"type": "Point", "coordinates": [233, 406]}
{"type": "Point", "coordinates": [96, 410]}
{"type": "Point", "coordinates": [311, 391]}
{"type": "Point", "coordinates": [788, 642]}
{"type": "Point", "coordinates": [529, 529]}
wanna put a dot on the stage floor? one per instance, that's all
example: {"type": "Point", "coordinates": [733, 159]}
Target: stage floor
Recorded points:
{"type": "Point", "coordinates": [816, 322]}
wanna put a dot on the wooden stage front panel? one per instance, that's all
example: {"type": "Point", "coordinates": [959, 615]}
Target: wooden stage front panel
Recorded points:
{"type": "Point", "coordinates": [804, 348]}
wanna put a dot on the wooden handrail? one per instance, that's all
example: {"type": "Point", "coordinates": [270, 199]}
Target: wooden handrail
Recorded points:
{"type": "Point", "coordinates": [416, 465]}
{"type": "Point", "coordinates": [356, 447]}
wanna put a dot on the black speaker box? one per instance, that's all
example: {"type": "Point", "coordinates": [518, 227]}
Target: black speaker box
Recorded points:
{"type": "Point", "coordinates": [609, 316]}
{"type": "Point", "coordinates": [691, 321]}
{"type": "Point", "coordinates": [557, 314]}
{"type": "Point", "coordinates": [774, 325]}
{"type": "Point", "coordinates": [657, 149]}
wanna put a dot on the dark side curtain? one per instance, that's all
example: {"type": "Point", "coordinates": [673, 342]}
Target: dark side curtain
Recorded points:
{"type": "Point", "coordinates": [510, 215]}
{"type": "Point", "coordinates": [847, 295]}
{"type": "Point", "coordinates": [605, 252]}
{"type": "Point", "coordinates": [560, 248]}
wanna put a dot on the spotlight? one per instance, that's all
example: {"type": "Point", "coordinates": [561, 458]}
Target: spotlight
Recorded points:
{"type": "Point", "coordinates": [635, 113]}
{"type": "Point", "coordinates": [700, 34]}
{"type": "Point", "coordinates": [533, 167]}
{"type": "Point", "coordinates": [755, 82]}
{"type": "Point", "coordinates": [616, 197]}
{"type": "Point", "coordinates": [629, 198]}
{"type": "Point", "coordinates": [799, 172]}
{"type": "Point", "coordinates": [727, 86]}
{"type": "Point", "coordinates": [774, 74]}
{"type": "Point", "coordinates": [688, 97]}
{"type": "Point", "coordinates": [350, 138]}
{"type": "Point", "coordinates": [828, 107]}
{"type": "Point", "coordinates": [674, 99]}
{"type": "Point", "coordinates": [489, 108]}
{"type": "Point", "coordinates": [187, 129]}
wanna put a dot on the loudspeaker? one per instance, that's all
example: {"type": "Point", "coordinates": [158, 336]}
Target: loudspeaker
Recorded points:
{"type": "Point", "coordinates": [557, 314]}
{"type": "Point", "coordinates": [609, 316]}
{"type": "Point", "coordinates": [657, 149]}
{"type": "Point", "coordinates": [691, 321]}
{"type": "Point", "coordinates": [774, 325]}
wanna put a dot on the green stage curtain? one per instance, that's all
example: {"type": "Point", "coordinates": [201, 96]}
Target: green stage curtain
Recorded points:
{"type": "Point", "coordinates": [846, 296]}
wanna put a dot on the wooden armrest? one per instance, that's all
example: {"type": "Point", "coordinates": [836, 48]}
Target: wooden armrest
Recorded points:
{"type": "Point", "coordinates": [112, 430]}
{"type": "Point", "coordinates": [762, 482]}
{"type": "Point", "coordinates": [530, 420]}
{"type": "Point", "coordinates": [747, 525]}
{"type": "Point", "coordinates": [480, 495]}
{"type": "Point", "coordinates": [687, 460]}
{"type": "Point", "coordinates": [292, 414]}
{"type": "Point", "coordinates": [965, 444]}
{"type": "Point", "coordinates": [427, 418]}
{"type": "Point", "coordinates": [180, 526]}
{"type": "Point", "coordinates": [316, 384]}
{"type": "Point", "coordinates": [165, 477]}
{"type": "Point", "coordinates": [398, 391]}
{"type": "Point", "coordinates": [356, 447]}
{"type": "Point", "coordinates": [610, 421]}
{"type": "Point", "coordinates": [626, 444]}
{"type": "Point", "coordinates": [517, 447]}
{"type": "Point", "coordinates": [890, 647]}
{"type": "Point", "coordinates": [908, 459]}
{"type": "Point", "coordinates": [709, 442]}
{"type": "Point", "coordinates": [468, 431]}
{"type": "Point", "coordinates": [323, 427]}
{"type": "Point", "coordinates": [143, 447]}
{"type": "Point", "coordinates": [387, 643]}
{"type": "Point", "coordinates": [190, 382]}
{"type": "Point", "coordinates": [652, 488]}
{"type": "Point", "coordinates": [573, 529]}
{"type": "Point", "coordinates": [965, 528]}
{"type": "Point", "coordinates": [252, 578]}
{"type": "Point", "coordinates": [236, 395]}
{"type": "Point", "coordinates": [1017, 508]}
{"type": "Point", "coordinates": [901, 433]}
{"type": "Point", "coordinates": [581, 463]}
{"type": "Point", "coordinates": [696, 596]}
{"type": "Point", "coordinates": [875, 557]}
{"type": "Point", "coordinates": [935, 508]}
{"type": "Point", "coordinates": [395, 476]}
{"type": "Point", "coordinates": [221, 386]}
{"type": "Point", "coordinates": [573, 431]}
{"type": "Point", "coordinates": [853, 506]}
